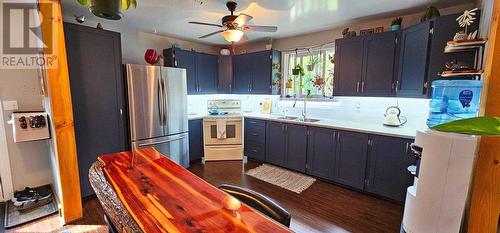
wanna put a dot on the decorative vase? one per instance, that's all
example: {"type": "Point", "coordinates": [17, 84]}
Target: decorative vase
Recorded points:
{"type": "Point", "coordinates": [395, 27]}
{"type": "Point", "coordinates": [310, 67]}
{"type": "Point", "coordinates": [109, 9]}
{"type": "Point", "coordinates": [460, 36]}
{"type": "Point", "coordinates": [269, 46]}
{"type": "Point", "coordinates": [151, 56]}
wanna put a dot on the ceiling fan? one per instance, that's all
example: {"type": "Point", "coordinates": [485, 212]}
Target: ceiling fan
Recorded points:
{"type": "Point", "coordinates": [234, 26]}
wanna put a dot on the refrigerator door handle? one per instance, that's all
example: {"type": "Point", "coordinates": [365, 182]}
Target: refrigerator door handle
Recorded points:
{"type": "Point", "coordinates": [165, 101]}
{"type": "Point", "coordinates": [160, 142]}
{"type": "Point", "coordinates": [160, 102]}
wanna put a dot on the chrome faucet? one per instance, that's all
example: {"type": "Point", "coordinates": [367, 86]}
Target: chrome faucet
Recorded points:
{"type": "Point", "coordinates": [304, 110]}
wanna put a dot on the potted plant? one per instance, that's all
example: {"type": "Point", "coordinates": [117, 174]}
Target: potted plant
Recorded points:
{"type": "Point", "coordinates": [298, 70]}
{"type": "Point", "coordinates": [269, 44]}
{"type": "Point", "coordinates": [430, 13]}
{"type": "Point", "coordinates": [396, 23]}
{"type": "Point", "coordinates": [314, 60]}
{"type": "Point", "coordinates": [108, 9]}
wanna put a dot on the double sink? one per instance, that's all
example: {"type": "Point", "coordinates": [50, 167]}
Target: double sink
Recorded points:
{"type": "Point", "coordinates": [301, 119]}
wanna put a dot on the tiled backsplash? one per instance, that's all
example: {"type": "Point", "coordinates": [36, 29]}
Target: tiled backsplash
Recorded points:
{"type": "Point", "coordinates": [359, 109]}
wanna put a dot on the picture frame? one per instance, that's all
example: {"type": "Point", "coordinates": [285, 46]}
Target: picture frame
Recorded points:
{"type": "Point", "coordinates": [366, 31]}
{"type": "Point", "coordinates": [379, 29]}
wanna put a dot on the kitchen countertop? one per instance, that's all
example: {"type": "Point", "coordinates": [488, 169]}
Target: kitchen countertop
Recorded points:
{"type": "Point", "coordinates": [404, 131]}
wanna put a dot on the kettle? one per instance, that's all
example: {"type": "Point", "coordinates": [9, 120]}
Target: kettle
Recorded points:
{"type": "Point", "coordinates": [393, 117]}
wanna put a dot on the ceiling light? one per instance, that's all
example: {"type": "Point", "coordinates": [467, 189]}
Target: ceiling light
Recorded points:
{"type": "Point", "coordinates": [233, 35]}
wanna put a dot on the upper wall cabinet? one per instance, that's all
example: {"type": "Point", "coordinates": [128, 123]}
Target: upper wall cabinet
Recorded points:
{"type": "Point", "coordinates": [225, 70]}
{"type": "Point", "coordinates": [413, 60]}
{"type": "Point", "coordinates": [365, 65]}
{"type": "Point", "coordinates": [254, 73]}
{"type": "Point", "coordinates": [202, 76]}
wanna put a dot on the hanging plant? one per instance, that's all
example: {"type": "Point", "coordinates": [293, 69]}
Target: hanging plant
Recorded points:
{"type": "Point", "coordinates": [318, 81]}
{"type": "Point", "coordinates": [331, 58]}
{"type": "Point", "coordinates": [108, 9]}
{"type": "Point", "coordinates": [298, 70]}
{"type": "Point", "coordinates": [314, 60]}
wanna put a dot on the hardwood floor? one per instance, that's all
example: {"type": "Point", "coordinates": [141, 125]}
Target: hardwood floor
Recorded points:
{"type": "Point", "coordinates": [323, 207]}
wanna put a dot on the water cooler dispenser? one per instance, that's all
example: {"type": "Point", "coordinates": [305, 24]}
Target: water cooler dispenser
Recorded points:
{"type": "Point", "coordinates": [436, 201]}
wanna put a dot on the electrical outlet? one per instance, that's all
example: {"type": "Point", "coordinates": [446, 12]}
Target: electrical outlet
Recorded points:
{"type": "Point", "coordinates": [10, 105]}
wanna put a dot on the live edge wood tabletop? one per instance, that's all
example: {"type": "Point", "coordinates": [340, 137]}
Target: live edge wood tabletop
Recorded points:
{"type": "Point", "coordinates": [144, 191]}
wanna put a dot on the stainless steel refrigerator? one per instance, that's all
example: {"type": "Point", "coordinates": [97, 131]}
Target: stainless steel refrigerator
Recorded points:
{"type": "Point", "coordinates": [157, 101]}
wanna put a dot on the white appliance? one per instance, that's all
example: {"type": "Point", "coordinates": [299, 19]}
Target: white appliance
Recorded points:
{"type": "Point", "coordinates": [223, 130]}
{"type": "Point", "coordinates": [29, 126]}
{"type": "Point", "coordinates": [436, 201]}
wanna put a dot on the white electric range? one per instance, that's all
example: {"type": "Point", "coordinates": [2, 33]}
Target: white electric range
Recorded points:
{"type": "Point", "coordinates": [223, 130]}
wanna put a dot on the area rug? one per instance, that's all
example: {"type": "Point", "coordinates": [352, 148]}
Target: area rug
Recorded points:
{"type": "Point", "coordinates": [290, 180]}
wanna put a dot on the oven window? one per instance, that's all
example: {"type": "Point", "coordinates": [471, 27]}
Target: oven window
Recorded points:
{"type": "Point", "coordinates": [230, 131]}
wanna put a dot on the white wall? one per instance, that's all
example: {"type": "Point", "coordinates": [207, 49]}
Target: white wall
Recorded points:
{"type": "Point", "coordinates": [135, 43]}
{"type": "Point", "coordinates": [29, 161]}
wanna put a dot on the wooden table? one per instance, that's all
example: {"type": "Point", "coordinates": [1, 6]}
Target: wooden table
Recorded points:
{"type": "Point", "coordinates": [143, 190]}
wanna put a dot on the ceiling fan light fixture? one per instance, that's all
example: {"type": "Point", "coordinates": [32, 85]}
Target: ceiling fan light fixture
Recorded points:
{"type": "Point", "coordinates": [233, 35]}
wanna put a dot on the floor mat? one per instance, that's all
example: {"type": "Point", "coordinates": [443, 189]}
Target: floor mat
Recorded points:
{"type": "Point", "coordinates": [13, 217]}
{"type": "Point", "coordinates": [290, 180]}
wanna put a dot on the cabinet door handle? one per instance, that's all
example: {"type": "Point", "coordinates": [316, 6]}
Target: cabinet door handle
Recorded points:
{"type": "Point", "coordinates": [357, 87]}
{"type": "Point", "coordinates": [397, 86]}
{"type": "Point", "coordinates": [254, 134]}
{"type": "Point", "coordinates": [363, 86]}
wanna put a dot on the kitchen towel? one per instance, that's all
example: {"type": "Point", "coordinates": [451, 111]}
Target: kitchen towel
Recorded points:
{"type": "Point", "coordinates": [221, 128]}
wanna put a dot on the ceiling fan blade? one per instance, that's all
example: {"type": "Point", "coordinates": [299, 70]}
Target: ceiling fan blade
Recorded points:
{"type": "Point", "coordinates": [211, 34]}
{"type": "Point", "coordinates": [260, 28]}
{"type": "Point", "coordinates": [208, 24]}
{"type": "Point", "coordinates": [242, 19]}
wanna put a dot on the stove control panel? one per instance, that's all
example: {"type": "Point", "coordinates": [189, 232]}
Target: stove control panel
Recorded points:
{"type": "Point", "coordinates": [30, 126]}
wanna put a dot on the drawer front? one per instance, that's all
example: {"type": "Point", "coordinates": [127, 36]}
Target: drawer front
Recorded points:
{"type": "Point", "coordinates": [256, 134]}
{"type": "Point", "coordinates": [254, 122]}
{"type": "Point", "coordinates": [255, 151]}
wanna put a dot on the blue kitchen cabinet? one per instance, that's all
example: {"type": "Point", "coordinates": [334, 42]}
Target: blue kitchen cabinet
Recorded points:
{"type": "Point", "coordinates": [378, 64]}
{"type": "Point", "coordinates": [206, 73]}
{"type": "Point", "coordinates": [195, 139]}
{"type": "Point", "coordinates": [255, 139]}
{"type": "Point", "coordinates": [296, 147]}
{"type": "Point", "coordinates": [276, 143]}
{"type": "Point", "coordinates": [201, 69]}
{"type": "Point", "coordinates": [241, 74]}
{"type": "Point", "coordinates": [350, 159]}
{"type": "Point", "coordinates": [321, 152]}
{"type": "Point", "coordinates": [386, 173]}
{"type": "Point", "coordinates": [348, 66]}
{"type": "Point", "coordinates": [253, 73]}
{"type": "Point", "coordinates": [413, 60]}
{"type": "Point", "coordinates": [225, 74]}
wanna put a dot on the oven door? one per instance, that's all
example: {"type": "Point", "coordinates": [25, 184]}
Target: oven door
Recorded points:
{"type": "Point", "coordinates": [233, 132]}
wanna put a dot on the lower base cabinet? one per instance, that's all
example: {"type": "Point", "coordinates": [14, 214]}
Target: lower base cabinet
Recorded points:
{"type": "Point", "coordinates": [195, 139]}
{"type": "Point", "coordinates": [388, 159]}
{"type": "Point", "coordinates": [370, 163]}
{"type": "Point", "coordinates": [321, 152]}
{"type": "Point", "coordinates": [350, 159]}
{"type": "Point", "coordinates": [276, 143]}
{"type": "Point", "coordinates": [296, 147]}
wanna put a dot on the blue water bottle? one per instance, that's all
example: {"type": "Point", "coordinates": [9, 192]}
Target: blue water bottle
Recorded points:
{"type": "Point", "coordinates": [454, 100]}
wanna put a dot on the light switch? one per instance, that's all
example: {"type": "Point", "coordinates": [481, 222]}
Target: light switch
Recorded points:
{"type": "Point", "coordinates": [10, 105]}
